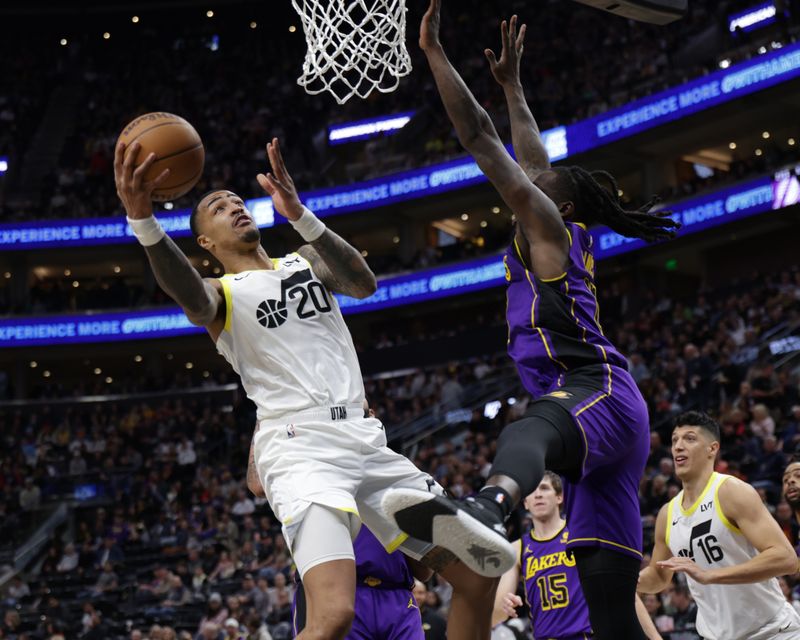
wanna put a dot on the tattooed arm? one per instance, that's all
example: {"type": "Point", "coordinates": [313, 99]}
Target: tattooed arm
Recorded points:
{"type": "Point", "coordinates": [253, 481]}
{"type": "Point", "coordinates": [336, 263]}
{"type": "Point", "coordinates": [199, 298]}
{"type": "Point", "coordinates": [339, 266]}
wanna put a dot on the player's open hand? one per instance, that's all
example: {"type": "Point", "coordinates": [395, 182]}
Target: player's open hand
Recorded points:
{"type": "Point", "coordinates": [689, 567]}
{"type": "Point", "coordinates": [429, 29]}
{"type": "Point", "coordinates": [279, 184]}
{"type": "Point", "coordinates": [510, 603]}
{"type": "Point", "coordinates": [135, 193]}
{"type": "Point", "coordinates": [506, 69]}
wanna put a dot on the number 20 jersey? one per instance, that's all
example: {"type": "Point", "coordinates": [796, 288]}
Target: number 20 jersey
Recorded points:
{"type": "Point", "coordinates": [703, 533]}
{"type": "Point", "coordinates": [285, 336]}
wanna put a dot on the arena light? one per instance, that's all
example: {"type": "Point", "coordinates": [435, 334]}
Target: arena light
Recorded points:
{"type": "Point", "coordinates": [135, 19]}
{"type": "Point", "coordinates": [724, 64]}
{"type": "Point", "coordinates": [755, 17]}
{"type": "Point", "coordinates": [367, 129]}
{"type": "Point", "coordinates": [3, 164]}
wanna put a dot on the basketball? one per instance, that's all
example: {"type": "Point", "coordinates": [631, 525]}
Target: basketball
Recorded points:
{"type": "Point", "coordinates": [177, 146]}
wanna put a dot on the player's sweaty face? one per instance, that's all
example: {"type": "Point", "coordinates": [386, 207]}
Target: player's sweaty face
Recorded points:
{"type": "Point", "coordinates": [689, 450]}
{"type": "Point", "coordinates": [227, 219]}
{"type": "Point", "coordinates": [791, 483]}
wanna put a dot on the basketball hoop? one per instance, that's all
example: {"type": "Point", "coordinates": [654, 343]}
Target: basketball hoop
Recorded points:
{"type": "Point", "coordinates": [354, 46]}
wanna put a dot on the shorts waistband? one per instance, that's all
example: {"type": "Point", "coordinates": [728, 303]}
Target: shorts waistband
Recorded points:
{"type": "Point", "coordinates": [333, 413]}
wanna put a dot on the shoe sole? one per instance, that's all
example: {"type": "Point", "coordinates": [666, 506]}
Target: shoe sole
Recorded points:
{"type": "Point", "coordinates": [434, 519]}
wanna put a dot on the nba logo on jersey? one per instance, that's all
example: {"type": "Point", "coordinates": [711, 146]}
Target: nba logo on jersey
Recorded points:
{"type": "Point", "coordinates": [290, 432]}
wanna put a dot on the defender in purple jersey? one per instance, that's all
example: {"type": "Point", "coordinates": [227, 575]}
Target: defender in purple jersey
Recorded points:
{"type": "Point", "coordinates": [588, 420]}
{"type": "Point", "coordinates": [552, 587]}
{"type": "Point", "coordinates": [548, 571]}
{"type": "Point", "coordinates": [385, 608]}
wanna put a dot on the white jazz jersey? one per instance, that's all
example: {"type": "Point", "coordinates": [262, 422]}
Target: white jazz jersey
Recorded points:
{"type": "Point", "coordinates": [285, 336]}
{"type": "Point", "coordinates": [724, 612]}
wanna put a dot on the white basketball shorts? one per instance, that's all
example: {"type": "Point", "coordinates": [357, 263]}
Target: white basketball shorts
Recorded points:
{"type": "Point", "coordinates": [335, 457]}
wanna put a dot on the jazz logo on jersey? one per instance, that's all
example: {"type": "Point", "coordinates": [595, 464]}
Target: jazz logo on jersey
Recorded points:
{"type": "Point", "coordinates": [313, 300]}
{"type": "Point", "coordinates": [290, 432]}
{"type": "Point", "coordinates": [706, 542]}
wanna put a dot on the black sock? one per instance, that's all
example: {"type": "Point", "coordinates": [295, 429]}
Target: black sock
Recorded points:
{"type": "Point", "coordinates": [497, 500]}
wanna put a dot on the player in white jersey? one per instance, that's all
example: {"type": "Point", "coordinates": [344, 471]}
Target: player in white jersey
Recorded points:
{"type": "Point", "coordinates": [323, 465]}
{"type": "Point", "coordinates": [718, 532]}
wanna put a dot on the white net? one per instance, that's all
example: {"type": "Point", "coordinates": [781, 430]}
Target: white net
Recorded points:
{"type": "Point", "coordinates": [354, 46]}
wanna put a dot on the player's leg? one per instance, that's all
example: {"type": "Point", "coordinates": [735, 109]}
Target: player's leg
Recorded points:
{"type": "Point", "coordinates": [322, 550]}
{"type": "Point", "coordinates": [608, 581]}
{"type": "Point", "coordinates": [546, 438]}
{"type": "Point", "coordinates": [605, 530]}
{"type": "Point", "coordinates": [473, 595]}
{"type": "Point", "coordinates": [472, 602]}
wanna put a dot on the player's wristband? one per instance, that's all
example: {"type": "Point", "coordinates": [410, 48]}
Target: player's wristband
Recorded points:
{"type": "Point", "coordinates": [148, 231]}
{"type": "Point", "coordinates": [308, 225]}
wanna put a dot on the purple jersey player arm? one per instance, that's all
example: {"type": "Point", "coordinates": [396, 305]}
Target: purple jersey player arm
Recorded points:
{"type": "Point", "coordinates": [525, 135]}
{"type": "Point", "coordinates": [536, 213]}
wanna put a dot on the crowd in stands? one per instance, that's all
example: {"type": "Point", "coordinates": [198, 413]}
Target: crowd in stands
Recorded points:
{"type": "Point", "coordinates": [226, 78]}
{"type": "Point", "coordinates": [166, 542]}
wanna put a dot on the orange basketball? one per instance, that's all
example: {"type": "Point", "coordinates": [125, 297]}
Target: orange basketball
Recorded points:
{"type": "Point", "coordinates": [176, 145]}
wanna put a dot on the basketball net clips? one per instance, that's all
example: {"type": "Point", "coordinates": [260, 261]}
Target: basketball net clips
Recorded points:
{"type": "Point", "coordinates": [354, 46]}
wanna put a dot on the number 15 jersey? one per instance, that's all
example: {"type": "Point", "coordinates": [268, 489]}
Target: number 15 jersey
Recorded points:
{"type": "Point", "coordinates": [703, 533]}
{"type": "Point", "coordinates": [285, 336]}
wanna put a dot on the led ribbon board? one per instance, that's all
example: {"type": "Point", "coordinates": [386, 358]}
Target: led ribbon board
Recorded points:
{"type": "Point", "coordinates": [712, 90]}
{"type": "Point", "coordinates": [367, 129]}
{"type": "Point", "coordinates": [753, 18]}
{"type": "Point", "coordinates": [696, 214]}
{"type": "Point", "coordinates": [100, 327]}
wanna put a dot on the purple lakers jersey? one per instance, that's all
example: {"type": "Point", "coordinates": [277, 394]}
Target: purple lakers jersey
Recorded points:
{"type": "Point", "coordinates": [554, 325]}
{"type": "Point", "coordinates": [553, 588]}
{"type": "Point", "coordinates": [376, 568]}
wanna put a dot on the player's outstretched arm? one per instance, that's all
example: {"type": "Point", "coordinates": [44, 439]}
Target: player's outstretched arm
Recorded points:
{"type": "Point", "coordinates": [525, 135]}
{"type": "Point", "coordinates": [742, 510]}
{"type": "Point", "coordinates": [537, 214]}
{"type": "Point", "coordinates": [506, 599]}
{"type": "Point", "coordinates": [173, 271]}
{"type": "Point", "coordinates": [654, 578]}
{"type": "Point", "coordinates": [338, 264]}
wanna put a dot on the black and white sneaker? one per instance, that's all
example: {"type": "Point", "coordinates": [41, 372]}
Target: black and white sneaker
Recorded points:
{"type": "Point", "coordinates": [467, 529]}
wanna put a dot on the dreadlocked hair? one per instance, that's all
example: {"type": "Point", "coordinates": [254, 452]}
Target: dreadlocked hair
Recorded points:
{"type": "Point", "coordinates": [596, 198]}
